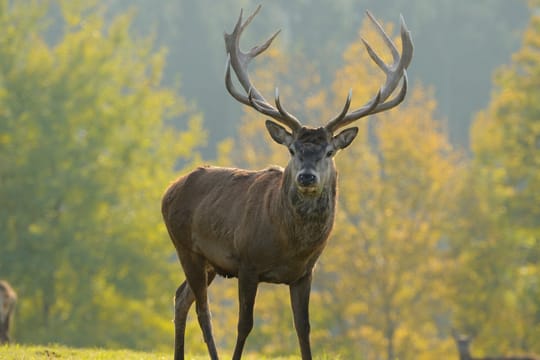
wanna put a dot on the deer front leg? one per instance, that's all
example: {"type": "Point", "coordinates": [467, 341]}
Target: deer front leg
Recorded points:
{"type": "Point", "coordinates": [299, 292]}
{"type": "Point", "coordinates": [247, 290]}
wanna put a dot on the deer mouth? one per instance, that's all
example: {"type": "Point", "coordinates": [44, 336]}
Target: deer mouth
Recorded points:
{"type": "Point", "coordinates": [310, 190]}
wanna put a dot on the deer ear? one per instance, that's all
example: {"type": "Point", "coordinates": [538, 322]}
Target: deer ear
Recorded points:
{"type": "Point", "coordinates": [278, 133]}
{"type": "Point", "coordinates": [345, 138]}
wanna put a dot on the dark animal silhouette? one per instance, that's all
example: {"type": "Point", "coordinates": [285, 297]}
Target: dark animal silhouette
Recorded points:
{"type": "Point", "coordinates": [463, 343]}
{"type": "Point", "coordinates": [269, 225]}
{"type": "Point", "coordinates": [8, 299]}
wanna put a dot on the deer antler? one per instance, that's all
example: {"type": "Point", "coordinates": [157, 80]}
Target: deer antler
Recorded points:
{"type": "Point", "coordinates": [394, 73]}
{"type": "Point", "coordinates": [239, 61]}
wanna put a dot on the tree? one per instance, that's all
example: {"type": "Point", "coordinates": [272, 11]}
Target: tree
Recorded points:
{"type": "Point", "coordinates": [499, 249]}
{"type": "Point", "coordinates": [395, 184]}
{"type": "Point", "coordinates": [85, 152]}
{"type": "Point", "coordinates": [390, 240]}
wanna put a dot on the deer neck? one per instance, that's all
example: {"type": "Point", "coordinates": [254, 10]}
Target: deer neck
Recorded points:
{"type": "Point", "coordinates": [309, 215]}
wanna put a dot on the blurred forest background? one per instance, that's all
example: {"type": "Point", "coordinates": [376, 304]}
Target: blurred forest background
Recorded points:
{"type": "Point", "coordinates": [104, 102]}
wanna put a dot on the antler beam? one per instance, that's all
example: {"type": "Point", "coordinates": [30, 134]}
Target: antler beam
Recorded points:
{"type": "Point", "coordinates": [239, 61]}
{"type": "Point", "coordinates": [394, 73]}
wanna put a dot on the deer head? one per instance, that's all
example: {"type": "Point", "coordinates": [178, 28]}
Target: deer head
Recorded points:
{"type": "Point", "coordinates": [312, 149]}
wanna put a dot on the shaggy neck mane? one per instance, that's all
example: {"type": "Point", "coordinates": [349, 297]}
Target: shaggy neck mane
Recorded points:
{"type": "Point", "coordinates": [311, 217]}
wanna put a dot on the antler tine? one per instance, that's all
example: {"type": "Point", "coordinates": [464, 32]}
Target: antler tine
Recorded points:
{"type": "Point", "coordinates": [282, 110]}
{"type": "Point", "coordinates": [237, 95]}
{"type": "Point", "coordinates": [344, 119]}
{"type": "Point", "coordinates": [239, 61]}
{"type": "Point", "coordinates": [344, 111]}
{"type": "Point", "coordinates": [387, 40]}
{"type": "Point", "coordinates": [262, 108]}
{"type": "Point", "coordinates": [257, 105]}
{"type": "Point", "coordinates": [406, 43]}
{"type": "Point", "coordinates": [229, 85]}
{"type": "Point", "coordinates": [394, 101]}
{"type": "Point", "coordinates": [394, 73]}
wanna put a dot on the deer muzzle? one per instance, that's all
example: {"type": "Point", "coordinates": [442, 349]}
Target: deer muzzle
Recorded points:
{"type": "Point", "coordinates": [307, 180]}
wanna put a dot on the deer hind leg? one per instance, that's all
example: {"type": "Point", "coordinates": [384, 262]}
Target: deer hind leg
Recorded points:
{"type": "Point", "coordinates": [4, 326]}
{"type": "Point", "coordinates": [183, 300]}
{"type": "Point", "coordinates": [3, 319]}
{"type": "Point", "coordinates": [198, 277]}
{"type": "Point", "coordinates": [4, 337]}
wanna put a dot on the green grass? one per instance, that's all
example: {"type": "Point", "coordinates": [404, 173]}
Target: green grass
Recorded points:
{"type": "Point", "coordinates": [20, 352]}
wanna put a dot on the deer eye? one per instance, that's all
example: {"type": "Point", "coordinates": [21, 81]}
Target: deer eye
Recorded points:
{"type": "Point", "coordinates": [330, 153]}
{"type": "Point", "coordinates": [291, 151]}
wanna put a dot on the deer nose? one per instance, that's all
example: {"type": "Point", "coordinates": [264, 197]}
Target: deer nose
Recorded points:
{"type": "Point", "coordinates": [306, 179]}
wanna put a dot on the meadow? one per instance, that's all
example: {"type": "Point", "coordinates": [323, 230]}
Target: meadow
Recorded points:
{"type": "Point", "coordinates": [21, 352]}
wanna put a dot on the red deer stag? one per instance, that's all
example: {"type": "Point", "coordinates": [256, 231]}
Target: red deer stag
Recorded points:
{"type": "Point", "coordinates": [269, 225]}
{"type": "Point", "coordinates": [463, 343]}
{"type": "Point", "coordinates": [8, 298]}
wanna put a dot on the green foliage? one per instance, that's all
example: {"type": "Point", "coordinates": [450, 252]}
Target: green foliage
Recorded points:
{"type": "Point", "coordinates": [85, 150]}
{"type": "Point", "coordinates": [498, 249]}
{"type": "Point", "coordinates": [387, 246]}
{"type": "Point", "coordinates": [387, 253]}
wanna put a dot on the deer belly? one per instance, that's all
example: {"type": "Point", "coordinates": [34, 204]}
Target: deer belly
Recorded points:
{"type": "Point", "coordinates": [284, 273]}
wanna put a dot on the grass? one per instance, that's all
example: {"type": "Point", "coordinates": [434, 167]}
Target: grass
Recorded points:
{"type": "Point", "coordinates": [20, 352]}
